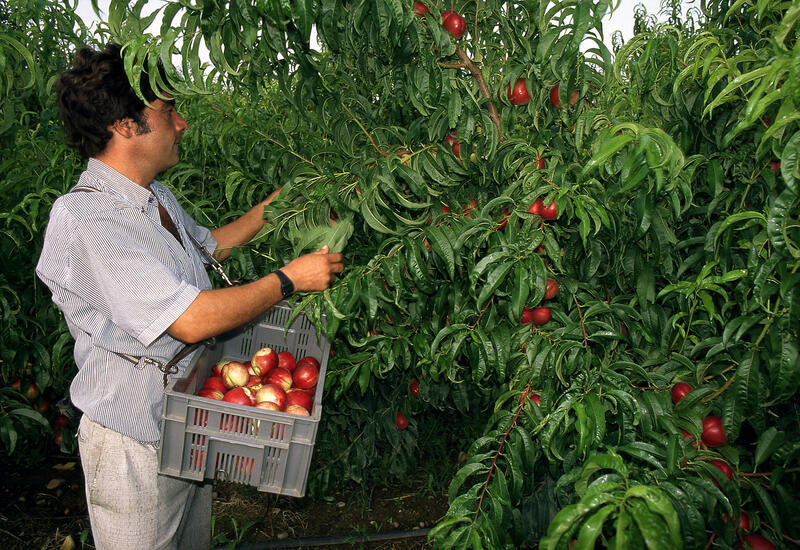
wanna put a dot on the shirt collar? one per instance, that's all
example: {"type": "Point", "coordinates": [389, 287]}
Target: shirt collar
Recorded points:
{"type": "Point", "coordinates": [116, 182]}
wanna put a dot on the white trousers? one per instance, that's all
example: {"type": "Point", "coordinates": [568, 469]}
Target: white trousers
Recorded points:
{"type": "Point", "coordinates": [131, 506]}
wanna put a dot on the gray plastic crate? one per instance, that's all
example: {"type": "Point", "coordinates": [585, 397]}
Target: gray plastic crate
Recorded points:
{"type": "Point", "coordinates": [207, 439]}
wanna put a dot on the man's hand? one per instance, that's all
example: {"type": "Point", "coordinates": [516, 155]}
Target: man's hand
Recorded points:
{"type": "Point", "coordinates": [314, 271]}
{"type": "Point", "coordinates": [241, 230]}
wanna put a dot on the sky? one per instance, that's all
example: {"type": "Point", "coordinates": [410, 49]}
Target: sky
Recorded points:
{"type": "Point", "coordinates": [622, 18]}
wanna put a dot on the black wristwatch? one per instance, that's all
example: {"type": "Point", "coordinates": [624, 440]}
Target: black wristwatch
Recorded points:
{"type": "Point", "coordinates": [287, 286]}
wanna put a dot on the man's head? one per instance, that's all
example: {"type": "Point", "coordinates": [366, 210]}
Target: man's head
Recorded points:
{"type": "Point", "coordinates": [95, 93]}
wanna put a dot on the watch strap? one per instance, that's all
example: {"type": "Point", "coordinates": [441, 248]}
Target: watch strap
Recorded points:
{"type": "Point", "coordinates": [287, 286]}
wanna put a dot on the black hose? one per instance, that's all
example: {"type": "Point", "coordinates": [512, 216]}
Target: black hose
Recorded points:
{"type": "Point", "coordinates": [313, 542]}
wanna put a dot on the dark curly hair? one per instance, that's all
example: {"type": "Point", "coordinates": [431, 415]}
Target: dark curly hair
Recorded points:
{"type": "Point", "coordinates": [93, 94]}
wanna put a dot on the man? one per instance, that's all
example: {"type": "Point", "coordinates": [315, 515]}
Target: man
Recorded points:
{"type": "Point", "coordinates": [119, 259]}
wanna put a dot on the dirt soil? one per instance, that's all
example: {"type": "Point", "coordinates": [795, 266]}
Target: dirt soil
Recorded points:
{"type": "Point", "coordinates": [44, 507]}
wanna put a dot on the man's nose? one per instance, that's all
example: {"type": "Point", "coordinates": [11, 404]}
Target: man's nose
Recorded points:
{"type": "Point", "coordinates": [180, 123]}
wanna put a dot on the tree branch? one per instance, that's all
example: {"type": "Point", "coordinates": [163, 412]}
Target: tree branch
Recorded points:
{"type": "Point", "coordinates": [476, 72]}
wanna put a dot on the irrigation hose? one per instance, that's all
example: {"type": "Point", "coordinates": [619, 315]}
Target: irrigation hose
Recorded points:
{"type": "Point", "coordinates": [314, 542]}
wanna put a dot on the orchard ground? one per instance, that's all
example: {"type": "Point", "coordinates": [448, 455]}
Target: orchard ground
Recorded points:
{"type": "Point", "coordinates": [40, 507]}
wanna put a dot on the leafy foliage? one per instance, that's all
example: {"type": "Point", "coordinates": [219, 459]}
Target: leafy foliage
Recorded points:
{"type": "Point", "coordinates": [676, 246]}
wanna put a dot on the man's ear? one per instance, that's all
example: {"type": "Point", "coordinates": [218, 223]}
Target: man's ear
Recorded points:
{"type": "Point", "coordinates": [125, 127]}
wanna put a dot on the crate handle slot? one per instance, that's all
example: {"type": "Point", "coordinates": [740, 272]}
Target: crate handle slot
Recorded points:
{"type": "Point", "coordinates": [224, 474]}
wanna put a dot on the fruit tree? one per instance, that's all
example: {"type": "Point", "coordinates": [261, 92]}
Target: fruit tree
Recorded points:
{"type": "Point", "coordinates": [656, 186]}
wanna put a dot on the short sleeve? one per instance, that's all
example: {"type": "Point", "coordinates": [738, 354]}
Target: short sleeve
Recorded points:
{"type": "Point", "coordinates": [123, 267]}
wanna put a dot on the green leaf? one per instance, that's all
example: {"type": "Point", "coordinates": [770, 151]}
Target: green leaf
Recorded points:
{"type": "Point", "coordinates": [660, 504]}
{"type": "Point", "coordinates": [442, 246]}
{"type": "Point", "coordinates": [652, 527]}
{"type": "Point", "coordinates": [607, 148]}
{"type": "Point", "coordinates": [596, 462]}
{"type": "Point", "coordinates": [592, 527]}
{"type": "Point", "coordinates": [769, 442]}
{"type": "Point", "coordinates": [495, 278]}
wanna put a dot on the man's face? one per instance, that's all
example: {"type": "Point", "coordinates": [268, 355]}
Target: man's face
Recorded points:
{"type": "Point", "coordinates": [160, 135]}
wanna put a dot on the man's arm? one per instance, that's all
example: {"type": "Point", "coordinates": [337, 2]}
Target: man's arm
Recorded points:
{"type": "Point", "coordinates": [240, 231]}
{"type": "Point", "coordinates": [217, 311]}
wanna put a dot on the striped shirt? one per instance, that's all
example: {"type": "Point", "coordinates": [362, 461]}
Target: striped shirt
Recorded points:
{"type": "Point", "coordinates": [121, 279]}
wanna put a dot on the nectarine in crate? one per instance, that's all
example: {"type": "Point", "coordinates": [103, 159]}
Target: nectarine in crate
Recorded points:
{"type": "Point", "coordinates": [204, 438]}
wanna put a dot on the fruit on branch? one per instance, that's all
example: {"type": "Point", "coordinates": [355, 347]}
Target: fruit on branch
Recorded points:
{"type": "Point", "coordinates": [537, 208]}
{"type": "Point", "coordinates": [504, 220]}
{"type": "Point", "coordinates": [527, 315]}
{"type": "Point", "coordinates": [536, 399]}
{"type": "Point", "coordinates": [280, 377]}
{"type": "Point", "coordinates": [421, 9]}
{"type": "Point", "coordinates": [61, 421]}
{"type": "Point", "coordinates": [744, 520]}
{"type": "Point", "coordinates": [454, 23]}
{"type": "Point", "coordinates": [556, 101]}
{"type": "Point", "coordinates": [756, 542]}
{"type": "Point", "coordinates": [713, 434]}
{"type": "Point", "coordinates": [687, 435]}
{"type": "Point", "coordinates": [679, 391]}
{"type": "Point", "coordinates": [31, 391]}
{"type": "Point", "coordinates": [518, 95]}
{"type": "Point", "coordinates": [286, 361]}
{"type": "Point", "coordinates": [774, 166]}
{"type": "Point", "coordinates": [305, 376]}
{"type": "Point", "coordinates": [540, 162]}
{"type": "Point", "coordinates": [400, 421]}
{"type": "Point", "coordinates": [273, 393]}
{"type": "Point", "coordinates": [550, 212]}
{"type": "Point", "coordinates": [451, 139]}
{"type": "Point", "coordinates": [552, 289]}
{"type": "Point", "coordinates": [235, 374]}
{"type": "Point", "coordinates": [723, 467]}
{"type": "Point", "coordinates": [541, 315]}
{"type": "Point", "coordinates": [445, 209]}
{"type": "Point", "coordinates": [473, 205]}
{"type": "Point", "coordinates": [413, 387]}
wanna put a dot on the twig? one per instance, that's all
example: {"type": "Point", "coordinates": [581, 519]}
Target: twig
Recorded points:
{"type": "Point", "coordinates": [494, 460]}
{"type": "Point", "coordinates": [719, 391]}
{"type": "Point", "coordinates": [766, 474]}
{"type": "Point", "coordinates": [389, 255]}
{"type": "Point", "coordinates": [544, 335]}
{"type": "Point", "coordinates": [484, 311]}
{"type": "Point", "coordinates": [476, 72]}
{"type": "Point", "coordinates": [261, 133]}
{"type": "Point", "coordinates": [583, 327]}
{"type": "Point", "coordinates": [369, 137]}
{"type": "Point", "coordinates": [710, 376]}
{"type": "Point", "coordinates": [711, 540]}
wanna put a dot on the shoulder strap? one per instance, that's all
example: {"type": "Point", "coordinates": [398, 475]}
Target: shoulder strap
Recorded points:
{"type": "Point", "coordinates": [171, 366]}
